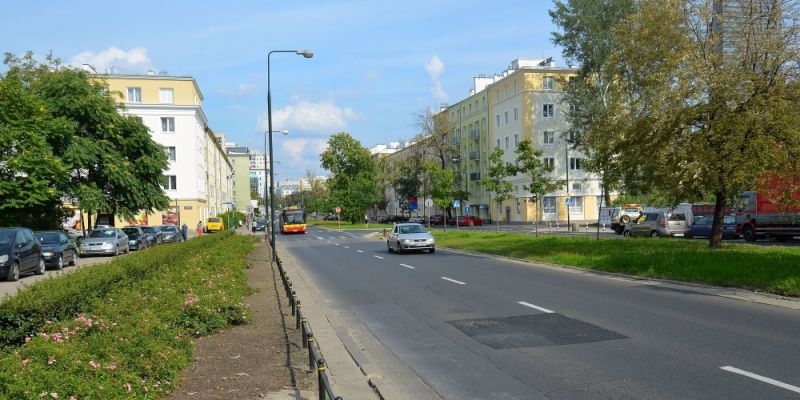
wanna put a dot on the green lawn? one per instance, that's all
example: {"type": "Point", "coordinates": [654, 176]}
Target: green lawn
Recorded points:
{"type": "Point", "coordinates": [346, 225]}
{"type": "Point", "coordinates": [773, 269]}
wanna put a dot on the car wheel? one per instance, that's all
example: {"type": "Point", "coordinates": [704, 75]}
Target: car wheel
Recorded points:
{"type": "Point", "coordinates": [389, 247]}
{"type": "Point", "coordinates": [627, 234]}
{"type": "Point", "coordinates": [116, 251]}
{"type": "Point", "coordinates": [74, 260]}
{"type": "Point", "coordinates": [689, 235]}
{"type": "Point", "coordinates": [60, 263]}
{"type": "Point", "coordinates": [654, 234]}
{"type": "Point", "coordinates": [40, 268]}
{"type": "Point", "coordinates": [13, 272]}
{"type": "Point", "coordinates": [749, 233]}
{"type": "Point", "coordinates": [625, 219]}
{"type": "Point", "coordinates": [399, 248]}
{"type": "Point", "coordinates": [433, 250]}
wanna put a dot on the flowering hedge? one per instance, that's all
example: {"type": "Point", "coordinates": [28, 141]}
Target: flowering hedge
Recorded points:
{"type": "Point", "coordinates": [133, 333]}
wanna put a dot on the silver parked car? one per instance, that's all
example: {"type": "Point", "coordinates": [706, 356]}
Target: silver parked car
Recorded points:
{"type": "Point", "coordinates": [657, 224]}
{"type": "Point", "coordinates": [405, 237]}
{"type": "Point", "coordinates": [105, 241]}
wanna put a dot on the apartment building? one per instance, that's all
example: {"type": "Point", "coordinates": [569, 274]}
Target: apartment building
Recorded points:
{"type": "Point", "coordinates": [199, 180]}
{"type": "Point", "coordinates": [239, 157]}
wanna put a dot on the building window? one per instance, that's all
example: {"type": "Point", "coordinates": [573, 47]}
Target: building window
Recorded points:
{"type": "Point", "coordinates": [483, 102]}
{"type": "Point", "coordinates": [550, 162]}
{"type": "Point", "coordinates": [505, 92]}
{"type": "Point", "coordinates": [549, 205]}
{"type": "Point", "coordinates": [576, 186]}
{"type": "Point", "coordinates": [575, 163]}
{"type": "Point", "coordinates": [514, 88]}
{"type": "Point", "coordinates": [168, 124]}
{"type": "Point", "coordinates": [171, 183]}
{"type": "Point", "coordinates": [166, 95]}
{"type": "Point", "coordinates": [577, 206]}
{"type": "Point", "coordinates": [496, 95]}
{"type": "Point", "coordinates": [134, 95]}
{"type": "Point", "coordinates": [549, 137]}
{"type": "Point", "coordinates": [548, 83]}
{"type": "Point", "coordinates": [498, 143]}
{"type": "Point", "coordinates": [170, 152]}
{"type": "Point", "coordinates": [497, 120]}
{"type": "Point", "coordinates": [547, 111]}
{"type": "Point", "coordinates": [506, 117]}
{"type": "Point", "coordinates": [516, 114]}
{"type": "Point", "coordinates": [516, 139]}
{"type": "Point", "coordinates": [506, 142]}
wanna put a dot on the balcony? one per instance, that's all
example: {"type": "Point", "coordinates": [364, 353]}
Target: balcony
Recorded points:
{"type": "Point", "coordinates": [475, 135]}
{"type": "Point", "coordinates": [474, 176]}
{"type": "Point", "coordinates": [474, 155]}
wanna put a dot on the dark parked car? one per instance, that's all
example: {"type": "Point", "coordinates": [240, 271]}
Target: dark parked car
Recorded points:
{"type": "Point", "coordinates": [57, 248]}
{"type": "Point", "coordinates": [702, 226]}
{"type": "Point", "coordinates": [137, 238]}
{"type": "Point", "coordinates": [20, 252]}
{"type": "Point", "coordinates": [260, 225]}
{"type": "Point", "coordinates": [158, 236]}
{"type": "Point", "coordinates": [437, 219]}
{"type": "Point", "coordinates": [171, 234]}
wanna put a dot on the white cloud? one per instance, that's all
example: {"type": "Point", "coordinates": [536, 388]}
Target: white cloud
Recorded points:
{"type": "Point", "coordinates": [241, 90]}
{"type": "Point", "coordinates": [323, 118]}
{"type": "Point", "coordinates": [114, 59]}
{"type": "Point", "coordinates": [303, 150]}
{"type": "Point", "coordinates": [435, 68]}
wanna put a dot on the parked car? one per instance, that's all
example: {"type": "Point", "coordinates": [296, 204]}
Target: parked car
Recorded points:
{"type": "Point", "coordinates": [57, 248]}
{"type": "Point", "coordinates": [469, 220]}
{"type": "Point", "coordinates": [437, 219]}
{"type": "Point", "coordinates": [702, 226]}
{"type": "Point", "coordinates": [331, 217]}
{"type": "Point", "coordinates": [410, 237]}
{"type": "Point", "coordinates": [74, 235]}
{"type": "Point", "coordinates": [158, 236]}
{"type": "Point", "coordinates": [106, 241]}
{"type": "Point", "coordinates": [171, 234]}
{"type": "Point", "coordinates": [417, 219]}
{"type": "Point", "coordinates": [214, 224]}
{"type": "Point", "coordinates": [621, 216]}
{"type": "Point", "coordinates": [20, 252]}
{"type": "Point", "coordinates": [137, 238]}
{"type": "Point", "coordinates": [657, 224]}
{"type": "Point", "coordinates": [260, 225]}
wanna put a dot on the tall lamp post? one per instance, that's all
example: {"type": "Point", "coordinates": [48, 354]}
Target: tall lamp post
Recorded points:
{"type": "Point", "coordinates": [306, 54]}
{"type": "Point", "coordinates": [267, 212]}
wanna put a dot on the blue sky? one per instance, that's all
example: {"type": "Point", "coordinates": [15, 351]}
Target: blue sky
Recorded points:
{"type": "Point", "coordinates": [376, 63]}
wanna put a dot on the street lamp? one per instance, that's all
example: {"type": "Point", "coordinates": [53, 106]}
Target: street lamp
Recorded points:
{"type": "Point", "coordinates": [306, 54]}
{"type": "Point", "coordinates": [267, 212]}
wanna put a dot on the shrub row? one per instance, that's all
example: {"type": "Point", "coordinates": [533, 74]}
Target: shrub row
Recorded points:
{"type": "Point", "coordinates": [131, 333]}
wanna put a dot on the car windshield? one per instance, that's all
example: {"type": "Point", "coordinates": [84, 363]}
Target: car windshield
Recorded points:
{"type": "Point", "coordinates": [293, 218]}
{"type": "Point", "coordinates": [412, 229]}
{"type": "Point", "coordinates": [149, 229]}
{"type": "Point", "coordinates": [261, 222]}
{"type": "Point", "coordinates": [729, 219]}
{"type": "Point", "coordinates": [168, 229]}
{"type": "Point", "coordinates": [48, 237]}
{"type": "Point", "coordinates": [6, 236]}
{"type": "Point", "coordinates": [213, 220]}
{"type": "Point", "coordinates": [132, 233]}
{"type": "Point", "coordinates": [677, 217]}
{"type": "Point", "coordinates": [102, 233]}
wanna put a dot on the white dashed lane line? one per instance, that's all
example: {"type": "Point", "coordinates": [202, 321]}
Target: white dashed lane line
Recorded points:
{"type": "Point", "coordinates": [378, 257]}
{"type": "Point", "coordinates": [542, 309]}
{"type": "Point", "coordinates": [764, 379]}
{"type": "Point", "coordinates": [360, 251]}
{"type": "Point", "coordinates": [407, 266]}
{"type": "Point", "coordinates": [346, 247]}
{"type": "Point", "coordinates": [453, 280]}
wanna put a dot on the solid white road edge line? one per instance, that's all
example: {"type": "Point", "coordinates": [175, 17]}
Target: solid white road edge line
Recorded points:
{"type": "Point", "coordinates": [762, 378]}
{"type": "Point", "coordinates": [542, 309]}
{"type": "Point", "coordinates": [454, 281]}
{"type": "Point", "coordinates": [378, 257]}
{"type": "Point", "coordinates": [407, 266]}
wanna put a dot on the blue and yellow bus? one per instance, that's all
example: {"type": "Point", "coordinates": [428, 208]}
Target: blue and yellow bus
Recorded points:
{"type": "Point", "coordinates": [293, 220]}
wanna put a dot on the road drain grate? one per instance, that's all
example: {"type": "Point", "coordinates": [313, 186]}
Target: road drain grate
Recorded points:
{"type": "Point", "coordinates": [532, 331]}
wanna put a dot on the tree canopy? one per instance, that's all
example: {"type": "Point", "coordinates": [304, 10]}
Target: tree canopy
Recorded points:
{"type": "Point", "coordinates": [352, 183]}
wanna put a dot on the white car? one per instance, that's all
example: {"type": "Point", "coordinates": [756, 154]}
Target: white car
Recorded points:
{"type": "Point", "coordinates": [106, 241]}
{"type": "Point", "coordinates": [410, 237]}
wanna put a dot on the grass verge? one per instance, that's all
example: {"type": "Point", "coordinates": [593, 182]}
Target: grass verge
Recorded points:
{"type": "Point", "coordinates": [769, 269]}
{"type": "Point", "coordinates": [132, 330]}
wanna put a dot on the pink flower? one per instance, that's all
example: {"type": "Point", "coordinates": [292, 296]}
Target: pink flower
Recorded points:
{"type": "Point", "coordinates": [72, 398]}
{"type": "Point", "coordinates": [26, 361]}
{"type": "Point", "coordinates": [94, 364]}
{"type": "Point", "coordinates": [54, 395]}
{"type": "Point", "coordinates": [43, 394]}
{"type": "Point", "coordinates": [128, 387]}
{"type": "Point", "coordinates": [51, 360]}
{"type": "Point", "coordinates": [112, 366]}
{"type": "Point", "coordinates": [27, 339]}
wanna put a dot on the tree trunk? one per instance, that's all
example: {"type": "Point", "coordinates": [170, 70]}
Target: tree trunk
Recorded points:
{"type": "Point", "coordinates": [715, 239]}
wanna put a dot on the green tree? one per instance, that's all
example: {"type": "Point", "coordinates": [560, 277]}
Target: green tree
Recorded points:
{"type": "Point", "coordinates": [352, 182]}
{"type": "Point", "coordinates": [713, 97]}
{"type": "Point", "coordinates": [497, 182]}
{"type": "Point", "coordinates": [531, 164]}
{"type": "Point", "coordinates": [436, 133]}
{"type": "Point", "coordinates": [408, 180]}
{"type": "Point", "coordinates": [442, 184]}
{"type": "Point", "coordinates": [587, 38]}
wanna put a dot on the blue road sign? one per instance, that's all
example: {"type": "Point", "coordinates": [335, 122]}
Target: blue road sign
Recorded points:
{"type": "Point", "coordinates": [570, 201]}
{"type": "Point", "coordinates": [456, 203]}
{"type": "Point", "coordinates": [466, 209]}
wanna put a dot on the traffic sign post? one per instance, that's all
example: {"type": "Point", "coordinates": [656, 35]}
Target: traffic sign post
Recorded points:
{"type": "Point", "coordinates": [338, 217]}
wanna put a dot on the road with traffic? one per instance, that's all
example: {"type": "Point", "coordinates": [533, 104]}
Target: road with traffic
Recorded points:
{"type": "Point", "coordinates": [454, 325]}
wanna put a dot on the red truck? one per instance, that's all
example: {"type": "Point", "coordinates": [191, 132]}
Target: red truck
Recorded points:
{"type": "Point", "coordinates": [760, 216]}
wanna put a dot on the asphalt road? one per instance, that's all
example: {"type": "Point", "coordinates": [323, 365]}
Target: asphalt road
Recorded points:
{"type": "Point", "coordinates": [458, 326]}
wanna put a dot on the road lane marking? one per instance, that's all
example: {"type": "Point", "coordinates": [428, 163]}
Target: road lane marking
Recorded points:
{"type": "Point", "coordinates": [360, 251]}
{"type": "Point", "coordinates": [454, 281]}
{"type": "Point", "coordinates": [378, 257]}
{"type": "Point", "coordinates": [764, 379]}
{"type": "Point", "coordinates": [346, 247]}
{"type": "Point", "coordinates": [542, 309]}
{"type": "Point", "coordinates": [407, 266]}
{"type": "Point", "coordinates": [336, 244]}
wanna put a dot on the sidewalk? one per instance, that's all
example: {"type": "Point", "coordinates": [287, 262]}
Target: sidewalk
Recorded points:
{"type": "Point", "coordinates": [261, 360]}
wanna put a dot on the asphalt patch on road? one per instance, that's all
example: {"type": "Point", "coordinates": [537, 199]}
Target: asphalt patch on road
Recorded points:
{"type": "Point", "coordinates": [534, 330]}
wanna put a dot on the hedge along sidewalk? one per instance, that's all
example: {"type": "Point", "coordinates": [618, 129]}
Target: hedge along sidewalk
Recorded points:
{"type": "Point", "coordinates": [769, 269]}
{"type": "Point", "coordinates": [133, 332]}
